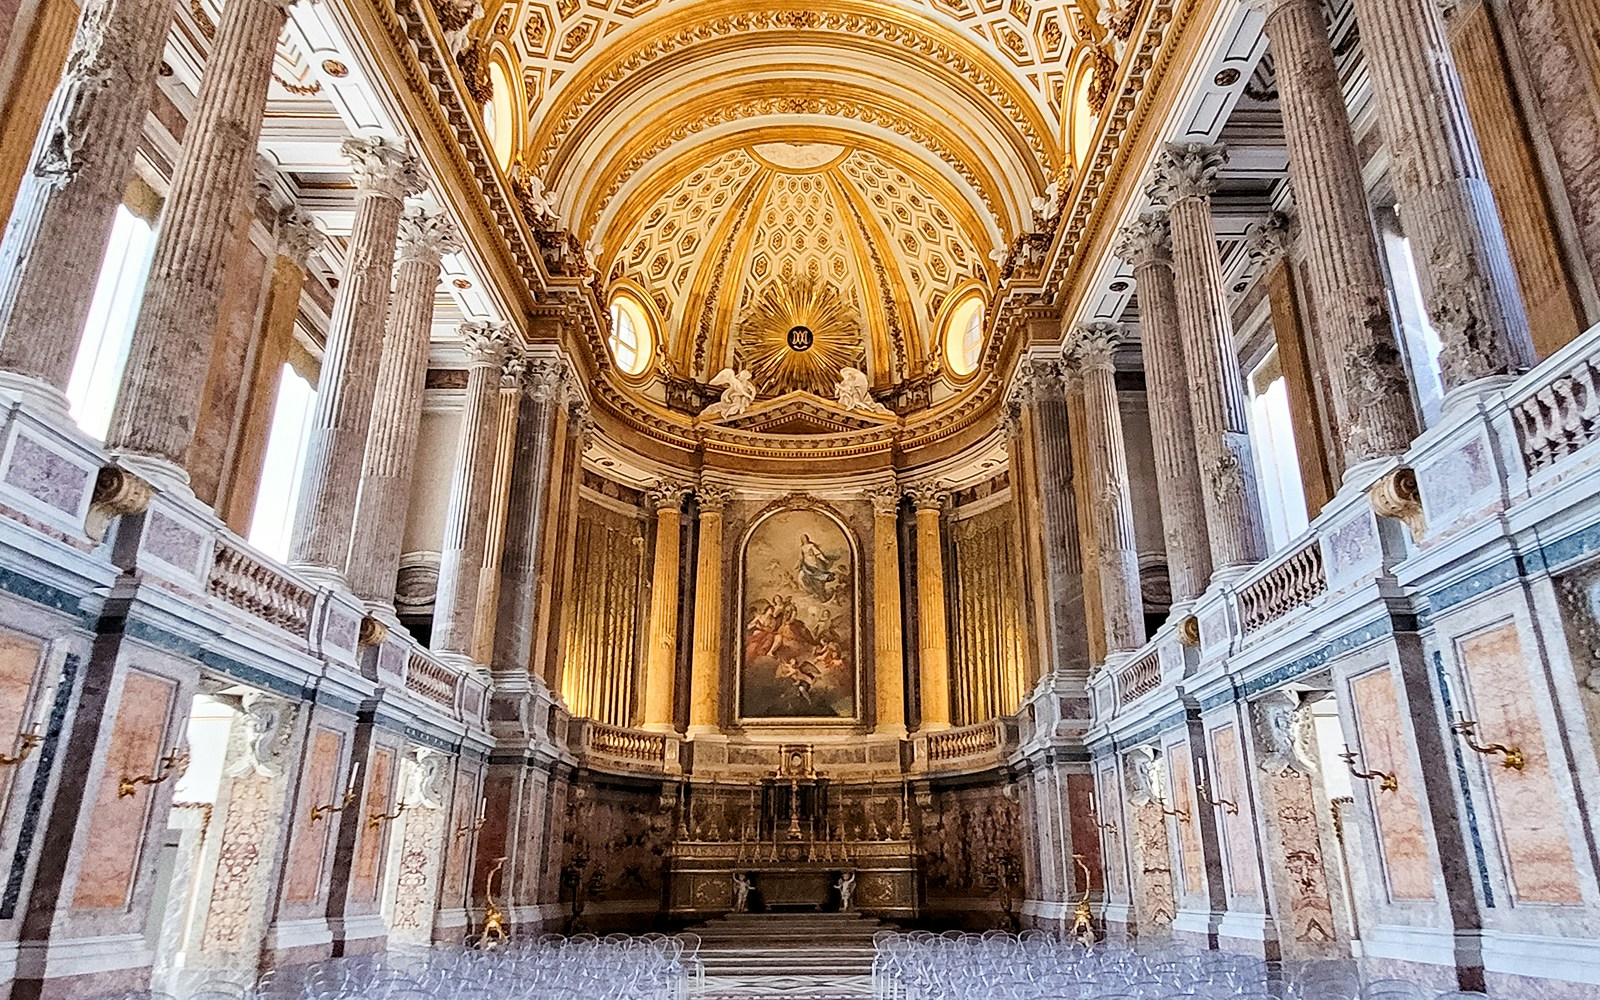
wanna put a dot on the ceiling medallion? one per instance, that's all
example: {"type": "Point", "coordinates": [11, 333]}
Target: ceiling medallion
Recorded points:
{"type": "Point", "coordinates": [800, 335]}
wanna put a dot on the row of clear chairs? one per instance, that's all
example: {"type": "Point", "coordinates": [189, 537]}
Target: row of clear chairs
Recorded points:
{"type": "Point", "coordinates": [542, 967]}
{"type": "Point", "coordinates": [1036, 965]}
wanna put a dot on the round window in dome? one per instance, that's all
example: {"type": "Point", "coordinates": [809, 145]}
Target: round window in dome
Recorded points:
{"type": "Point", "coordinates": [963, 336]}
{"type": "Point", "coordinates": [632, 340]}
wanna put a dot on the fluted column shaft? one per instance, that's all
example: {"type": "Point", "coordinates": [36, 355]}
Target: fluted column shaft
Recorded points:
{"type": "Point", "coordinates": [933, 630]}
{"type": "Point", "coordinates": [889, 660]}
{"type": "Point", "coordinates": [471, 478]}
{"type": "Point", "coordinates": [1186, 177]}
{"type": "Point", "coordinates": [545, 394]}
{"type": "Point", "coordinates": [56, 238]}
{"type": "Point", "coordinates": [661, 659]}
{"type": "Point", "coordinates": [1366, 373]}
{"type": "Point", "coordinates": [1464, 265]}
{"type": "Point", "coordinates": [508, 405]}
{"type": "Point", "coordinates": [1122, 604]}
{"type": "Point", "coordinates": [164, 381]}
{"type": "Point", "coordinates": [337, 444]}
{"type": "Point", "coordinates": [705, 670]}
{"type": "Point", "coordinates": [390, 456]}
{"type": "Point", "coordinates": [1147, 245]}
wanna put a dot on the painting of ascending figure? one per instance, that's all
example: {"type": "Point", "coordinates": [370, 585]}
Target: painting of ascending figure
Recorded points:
{"type": "Point", "coordinates": [798, 655]}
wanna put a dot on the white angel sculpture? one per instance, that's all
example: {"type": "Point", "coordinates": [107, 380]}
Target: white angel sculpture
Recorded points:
{"type": "Point", "coordinates": [540, 202]}
{"type": "Point", "coordinates": [456, 41]}
{"type": "Point", "coordinates": [854, 393]}
{"type": "Point", "coordinates": [738, 392]}
{"type": "Point", "coordinates": [1045, 206]}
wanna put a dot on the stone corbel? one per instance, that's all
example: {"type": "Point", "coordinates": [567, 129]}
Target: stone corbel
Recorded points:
{"type": "Point", "coordinates": [1396, 495]}
{"type": "Point", "coordinates": [371, 633]}
{"type": "Point", "coordinates": [116, 492]}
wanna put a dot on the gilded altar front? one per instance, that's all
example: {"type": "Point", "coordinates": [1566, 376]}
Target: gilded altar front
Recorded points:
{"type": "Point", "coordinates": [795, 876]}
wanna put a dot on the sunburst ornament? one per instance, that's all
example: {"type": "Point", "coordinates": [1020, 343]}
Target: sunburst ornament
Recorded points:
{"type": "Point", "coordinates": [800, 335]}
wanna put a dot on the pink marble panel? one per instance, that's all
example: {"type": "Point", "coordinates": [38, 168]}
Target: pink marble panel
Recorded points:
{"type": "Point", "coordinates": [1080, 809]}
{"type": "Point", "coordinates": [1529, 809]}
{"type": "Point", "coordinates": [463, 814]}
{"type": "Point", "coordinates": [114, 839]}
{"type": "Point", "coordinates": [1227, 768]}
{"type": "Point", "coordinates": [372, 840]}
{"type": "Point", "coordinates": [49, 478]}
{"type": "Point", "coordinates": [172, 542]}
{"type": "Point", "coordinates": [1190, 855]}
{"type": "Point", "coordinates": [1116, 877]}
{"type": "Point", "coordinates": [309, 840]}
{"type": "Point", "coordinates": [19, 662]}
{"type": "Point", "coordinates": [1403, 839]}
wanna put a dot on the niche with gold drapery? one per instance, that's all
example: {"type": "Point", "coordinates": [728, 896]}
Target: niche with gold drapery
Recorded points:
{"type": "Point", "coordinates": [604, 624]}
{"type": "Point", "coordinates": [986, 651]}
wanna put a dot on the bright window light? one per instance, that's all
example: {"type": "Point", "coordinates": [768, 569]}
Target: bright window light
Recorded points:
{"type": "Point", "coordinates": [273, 523]}
{"type": "Point", "coordinates": [103, 352]}
{"type": "Point", "coordinates": [1277, 459]}
{"type": "Point", "coordinates": [963, 336]}
{"type": "Point", "coordinates": [631, 342]}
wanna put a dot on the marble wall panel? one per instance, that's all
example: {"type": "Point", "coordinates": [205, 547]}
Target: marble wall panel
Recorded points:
{"type": "Point", "coordinates": [19, 663]}
{"type": "Point", "coordinates": [1191, 859]}
{"type": "Point", "coordinates": [309, 841]}
{"type": "Point", "coordinates": [373, 839]}
{"type": "Point", "coordinates": [463, 814]}
{"type": "Point", "coordinates": [1107, 813]}
{"type": "Point", "coordinates": [1238, 830]}
{"type": "Point", "coordinates": [113, 841]}
{"type": "Point", "coordinates": [1529, 809]}
{"type": "Point", "coordinates": [1403, 839]}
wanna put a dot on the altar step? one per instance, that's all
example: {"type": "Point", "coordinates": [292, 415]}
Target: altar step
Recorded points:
{"type": "Point", "coordinates": [779, 944]}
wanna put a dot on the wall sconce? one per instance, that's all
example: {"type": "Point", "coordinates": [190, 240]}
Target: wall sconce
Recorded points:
{"type": "Point", "coordinates": [1205, 796]}
{"type": "Point", "coordinates": [477, 824]}
{"type": "Point", "coordinates": [172, 765]}
{"type": "Point", "coordinates": [25, 744]}
{"type": "Point", "coordinates": [1386, 781]}
{"type": "Point", "coordinates": [1110, 828]}
{"type": "Point", "coordinates": [1466, 729]}
{"type": "Point", "coordinates": [1182, 815]}
{"type": "Point", "coordinates": [374, 819]}
{"type": "Point", "coordinates": [317, 812]}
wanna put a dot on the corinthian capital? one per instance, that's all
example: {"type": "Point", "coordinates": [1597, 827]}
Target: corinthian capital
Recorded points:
{"type": "Point", "coordinates": [425, 237]}
{"type": "Point", "coordinates": [512, 366]}
{"type": "Point", "coordinates": [1094, 345]}
{"type": "Point", "coordinates": [298, 236]}
{"type": "Point", "coordinates": [1146, 240]}
{"type": "Point", "coordinates": [1187, 170]}
{"type": "Point", "coordinates": [546, 379]}
{"type": "Point", "coordinates": [1269, 240]}
{"type": "Point", "coordinates": [383, 168]}
{"type": "Point", "coordinates": [712, 499]}
{"type": "Point", "coordinates": [929, 496]}
{"type": "Point", "coordinates": [885, 500]}
{"type": "Point", "coordinates": [667, 496]}
{"type": "Point", "coordinates": [1271, 7]}
{"type": "Point", "coordinates": [487, 343]}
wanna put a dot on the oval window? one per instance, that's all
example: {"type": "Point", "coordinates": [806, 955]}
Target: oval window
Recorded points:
{"type": "Point", "coordinates": [632, 342]}
{"type": "Point", "coordinates": [497, 115]}
{"type": "Point", "coordinates": [963, 336]}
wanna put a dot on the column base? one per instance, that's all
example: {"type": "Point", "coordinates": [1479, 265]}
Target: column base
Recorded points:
{"type": "Point", "coordinates": [165, 475]}
{"type": "Point", "coordinates": [660, 727]}
{"type": "Point", "coordinates": [37, 394]}
{"type": "Point", "coordinates": [896, 731]}
{"type": "Point", "coordinates": [1466, 397]}
{"type": "Point", "coordinates": [320, 575]}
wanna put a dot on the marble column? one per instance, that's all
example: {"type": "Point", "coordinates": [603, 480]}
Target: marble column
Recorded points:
{"type": "Point", "coordinates": [1367, 377]}
{"type": "Point", "coordinates": [82, 159]}
{"type": "Point", "coordinates": [1147, 245]}
{"type": "Point", "coordinates": [1082, 482]}
{"type": "Point", "coordinates": [889, 660]}
{"type": "Point", "coordinates": [1186, 176]}
{"type": "Point", "coordinates": [1446, 205]}
{"type": "Point", "coordinates": [705, 670]}
{"type": "Point", "coordinates": [1093, 351]}
{"type": "Point", "coordinates": [545, 387]}
{"type": "Point", "coordinates": [164, 380]}
{"type": "Point", "coordinates": [933, 627]}
{"type": "Point", "coordinates": [489, 352]}
{"type": "Point", "coordinates": [298, 237]}
{"type": "Point", "coordinates": [374, 561]}
{"type": "Point", "coordinates": [661, 656]}
{"type": "Point", "coordinates": [507, 406]}
{"type": "Point", "coordinates": [384, 174]}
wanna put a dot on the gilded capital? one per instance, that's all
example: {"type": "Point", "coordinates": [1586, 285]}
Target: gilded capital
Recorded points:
{"type": "Point", "coordinates": [383, 168]}
{"type": "Point", "coordinates": [1146, 240]}
{"type": "Point", "coordinates": [1269, 240]}
{"type": "Point", "coordinates": [712, 499]}
{"type": "Point", "coordinates": [545, 379]}
{"type": "Point", "coordinates": [1187, 170]}
{"type": "Point", "coordinates": [487, 343]}
{"type": "Point", "coordinates": [929, 496]}
{"type": "Point", "coordinates": [1094, 345]}
{"type": "Point", "coordinates": [298, 236]}
{"type": "Point", "coordinates": [425, 237]}
{"type": "Point", "coordinates": [667, 496]}
{"type": "Point", "coordinates": [512, 367]}
{"type": "Point", "coordinates": [885, 500]}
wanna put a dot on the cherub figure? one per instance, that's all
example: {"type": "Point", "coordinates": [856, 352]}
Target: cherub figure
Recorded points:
{"type": "Point", "coordinates": [854, 393]}
{"type": "Point", "coordinates": [738, 392]}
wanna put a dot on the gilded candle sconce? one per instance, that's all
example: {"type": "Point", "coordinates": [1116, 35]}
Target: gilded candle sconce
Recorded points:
{"type": "Point", "coordinates": [1467, 729]}
{"type": "Point", "coordinates": [1204, 789]}
{"type": "Point", "coordinates": [1387, 781]}
{"type": "Point", "coordinates": [373, 819]}
{"type": "Point", "coordinates": [25, 744]}
{"type": "Point", "coordinates": [317, 812]}
{"type": "Point", "coordinates": [172, 765]}
{"type": "Point", "coordinates": [477, 824]}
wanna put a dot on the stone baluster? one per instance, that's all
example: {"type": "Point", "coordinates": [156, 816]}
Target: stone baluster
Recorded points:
{"type": "Point", "coordinates": [1366, 373]}
{"type": "Point", "coordinates": [546, 385]}
{"type": "Point", "coordinates": [933, 627]}
{"type": "Point", "coordinates": [56, 238]}
{"type": "Point", "coordinates": [390, 456]}
{"type": "Point", "coordinates": [1147, 245]}
{"type": "Point", "coordinates": [1464, 266]}
{"type": "Point", "coordinates": [164, 380]}
{"type": "Point", "coordinates": [889, 664]}
{"type": "Point", "coordinates": [661, 657]}
{"type": "Point", "coordinates": [384, 174]}
{"type": "Point", "coordinates": [489, 349]}
{"type": "Point", "coordinates": [705, 670]}
{"type": "Point", "coordinates": [1186, 176]}
{"type": "Point", "coordinates": [1093, 352]}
